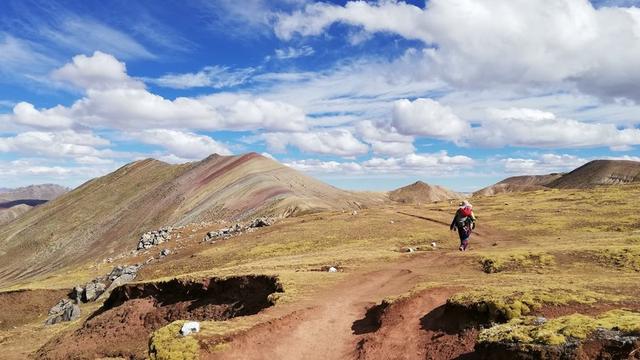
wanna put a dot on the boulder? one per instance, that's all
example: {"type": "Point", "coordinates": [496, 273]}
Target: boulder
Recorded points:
{"type": "Point", "coordinates": [64, 310]}
{"type": "Point", "coordinates": [261, 222]}
{"type": "Point", "coordinates": [93, 290]}
{"type": "Point", "coordinates": [165, 252]}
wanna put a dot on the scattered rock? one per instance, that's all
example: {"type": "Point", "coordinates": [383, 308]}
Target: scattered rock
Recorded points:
{"type": "Point", "coordinates": [190, 327]}
{"type": "Point", "coordinates": [332, 269]}
{"type": "Point", "coordinates": [539, 321]}
{"type": "Point", "coordinates": [354, 213]}
{"type": "Point", "coordinates": [154, 238]}
{"type": "Point", "coordinates": [407, 249]}
{"type": "Point", "coordinates": [65, 310]}
{"type": "Point", "coordinates": [238, 229]}
{"type": "Point", "coordinates": [433, 245]}
{"type": "Point", "coordinates": [165, 252]}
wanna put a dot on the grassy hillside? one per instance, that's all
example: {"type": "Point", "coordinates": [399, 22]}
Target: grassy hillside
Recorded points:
{"type": "Point", "coordinates": [106, 216]}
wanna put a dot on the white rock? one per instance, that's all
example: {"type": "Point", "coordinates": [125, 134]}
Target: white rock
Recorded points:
{"type": "Point", "coordinates": [354, 213]}
{"type": "Point", "coordinates": [190, 327]}
{"type": "Point", "coordinates": [433, 245]}
{"type": "Point", "coordinates": [333, 269]}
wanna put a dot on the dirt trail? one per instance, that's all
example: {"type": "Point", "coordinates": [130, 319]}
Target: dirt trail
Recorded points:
{"type": "Point", "coordinates": [327, 327]}
{"type": "Point", "coordinates": [335, 325]}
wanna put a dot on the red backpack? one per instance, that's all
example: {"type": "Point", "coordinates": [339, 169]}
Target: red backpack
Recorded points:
{"type": "Point", "coordinates": [465, 211]}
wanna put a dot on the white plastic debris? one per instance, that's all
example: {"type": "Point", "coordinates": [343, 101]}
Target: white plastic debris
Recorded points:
{"type": "Point", "coordinates": [333, 269]}
{"type": "Point", "coordinates": [433, 245]}
{"type": "Point", "coordinates": [190, 327]}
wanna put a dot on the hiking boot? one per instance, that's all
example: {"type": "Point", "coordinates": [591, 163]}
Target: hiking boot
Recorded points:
{"type": "Point", "coordinates": [461, 248]}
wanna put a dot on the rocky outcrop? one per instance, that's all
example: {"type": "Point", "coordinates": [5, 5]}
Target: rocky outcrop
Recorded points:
{"type": "Point", "coordinates": [65, 310]}
{"type": "Point", "coordinates": [68, 309]}
{"type": "Point", "coordinates": [238, 229]}
{"type": "Point", "coordinates": [154, 238]}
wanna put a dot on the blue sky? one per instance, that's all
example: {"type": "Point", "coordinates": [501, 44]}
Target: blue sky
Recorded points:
{"type": "Point", "coordinates": [366, 95]}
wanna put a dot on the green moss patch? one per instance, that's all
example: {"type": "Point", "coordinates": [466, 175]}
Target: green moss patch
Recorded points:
{"type": "Point", "coordinates": [504, 304]}
{"type": "Point", "coordinates": [627, 258]}
{"type": "Point", "coordinates": [166, 343]}
{"type": "Point", "coordinates": [498, 263]}
{"type": "Point", "coordinates": [531, 330]}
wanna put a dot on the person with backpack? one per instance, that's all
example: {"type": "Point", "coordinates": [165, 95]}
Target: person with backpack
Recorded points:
{"type": "Point", "coordinates": [464, 221]}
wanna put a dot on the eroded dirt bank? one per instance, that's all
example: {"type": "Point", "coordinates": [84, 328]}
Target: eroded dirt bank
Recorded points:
{"type": "Point", "coordinates": [121, 327]}
{"type": "Point", "coordinates": [417, 327]}
{"type": "Point", "coordinates": [21, 307]}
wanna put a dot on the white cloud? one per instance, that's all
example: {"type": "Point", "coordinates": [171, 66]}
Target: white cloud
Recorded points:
{"type": "Point", "coordinates": [432, 164]}
{"type": "Point", "coordinates": [26, 114]}
{"type": "Point", "coordinates": [383, 139]}
{"type": "Point", "coordinates": [426, 117]}
{"type": "Point", "coordinates": [535, 128]}
{"type": "Point", "coordinates": [339, 142]}
{"type": "Point", "coordinates": [544, 164]}
{"type": "Point", "coordinates": [182, 145]}
{"type": "Point", "coordinates": [382, 16]}
{"type": "Point", "coordinates": [68, 143]}
{"type": "Point", "coordinates": [292, 53]}
{"type": "Point", "coordinates": [216, 77]}
{"type": "Point", "coordinates": [32, 170]}
{"type": "Point", "coordinates": [20, 56]}
{"type": "Point", "coordinates": [479, 44]}
{"type": "Point", "coordinates": [319, 166]}
{"type": "Point", "coordinates": [99, 71]}
{"type": "Point", "coordinates": [86, 35]}
{"type": "Point", "coordinates": [115, 100]}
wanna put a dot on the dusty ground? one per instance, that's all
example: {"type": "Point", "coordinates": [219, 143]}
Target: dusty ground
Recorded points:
{"type": "Point", "coordinates": [586, 243]}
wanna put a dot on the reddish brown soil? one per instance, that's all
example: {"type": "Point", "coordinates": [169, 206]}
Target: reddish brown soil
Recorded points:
{"type": "Point", "coordinates": [24, 306]}
{"type": "Point", "coordinates": [417, 328]}
{"type": "Point", "coordinates": [343, 323]}
{"type": "Point", "coordinates": [122, 326]}
{"type": "Point", "coordinates": [338, 325]}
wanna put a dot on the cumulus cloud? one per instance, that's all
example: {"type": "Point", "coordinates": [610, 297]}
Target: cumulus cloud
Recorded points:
{"type": "Point", "coordinates": [54, 118]}
{"type": "Point", "coordinates": [182, 145]}
{"type": "Point", "coordinates": [383, 139]}
{"type": "Point", "coordinates": [68, 143]}
{"type": "Point", "coordinates": [479, 44]}
{"type": "Point", "coordinates": [99, 71]}
{"type": "Point", "coordinates": [339, 142]}
{"type": "Point", "coordinates": [535, 128]}
{"type": "Point", "coordinates": [426, 117]}
{"type": "Point", "coordinates": [115, 100]}
{"type": "Point", "coordinates": [521, 127]}
{"type": "Point", "coordinates": [30, 171]}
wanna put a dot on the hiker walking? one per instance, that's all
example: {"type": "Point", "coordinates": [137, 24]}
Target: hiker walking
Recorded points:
{"type": "Point", "coordinates": [464, 221]}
